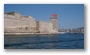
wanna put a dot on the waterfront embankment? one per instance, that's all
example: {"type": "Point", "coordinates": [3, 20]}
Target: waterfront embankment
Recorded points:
{"type": "Point", "coordinates": [28, 33]}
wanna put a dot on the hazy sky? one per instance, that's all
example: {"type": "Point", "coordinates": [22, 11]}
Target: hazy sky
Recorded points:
{"type": "Point", "coordinates": [69, 15]}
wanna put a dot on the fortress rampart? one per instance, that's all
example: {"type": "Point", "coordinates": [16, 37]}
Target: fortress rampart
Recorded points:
{"type": "Point", "coordinates": [16, 23]}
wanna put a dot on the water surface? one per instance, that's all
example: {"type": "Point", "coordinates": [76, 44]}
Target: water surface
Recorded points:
{"type": "Point", "coordinates": [58, 41]}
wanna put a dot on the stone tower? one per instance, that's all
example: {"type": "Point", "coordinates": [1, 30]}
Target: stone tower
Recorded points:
{"type": "Point", "coordinates": [54, 21]}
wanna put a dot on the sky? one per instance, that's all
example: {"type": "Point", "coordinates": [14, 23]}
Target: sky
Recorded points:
{"type": "Point", "coordinates": [69, 15]}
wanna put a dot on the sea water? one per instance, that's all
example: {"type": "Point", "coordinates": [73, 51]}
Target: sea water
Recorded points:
{"type": "Point", "coordinates": [54, 41]}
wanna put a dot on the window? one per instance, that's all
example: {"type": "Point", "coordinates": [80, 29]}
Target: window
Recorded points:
{"type": "Point", "coordinates": [26, 28]}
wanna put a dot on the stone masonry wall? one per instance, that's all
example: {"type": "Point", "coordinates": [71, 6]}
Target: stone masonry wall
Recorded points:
{"type": "Point", "coordinates": [45, 27]}
{"type": "Point", "coordinates": [19, 24]}
{"type": "Point", "coordinates": [15, 23]}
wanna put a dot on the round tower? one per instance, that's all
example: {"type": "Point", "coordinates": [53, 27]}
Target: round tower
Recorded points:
{"type": "Point", "coordinates": [54, 21]}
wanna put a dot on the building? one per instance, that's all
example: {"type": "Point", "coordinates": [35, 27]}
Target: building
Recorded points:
{"type": "Point", "coordinates": [14, 23]}
{"type": "Point", "coordinates": [54, 21]}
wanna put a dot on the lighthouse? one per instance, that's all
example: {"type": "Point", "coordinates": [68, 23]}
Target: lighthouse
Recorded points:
{"type": "Point", "coordinates": [54, 21]}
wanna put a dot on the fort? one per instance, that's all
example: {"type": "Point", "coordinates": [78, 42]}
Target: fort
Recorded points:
{"type": "Point", "coordinates": [17, 24]}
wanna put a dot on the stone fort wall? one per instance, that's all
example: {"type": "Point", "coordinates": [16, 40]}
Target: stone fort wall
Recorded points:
{"type": "Point", "coordinates": [45, 27]}
{"type": "Point", "coordinates": [15, 23]}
